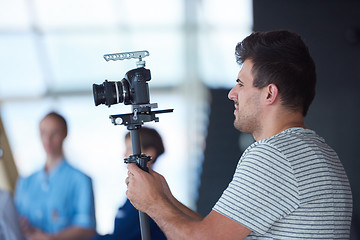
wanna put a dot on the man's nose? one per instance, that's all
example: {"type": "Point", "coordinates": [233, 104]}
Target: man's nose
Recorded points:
{"type": "Point", "coordinates": [231, 94]}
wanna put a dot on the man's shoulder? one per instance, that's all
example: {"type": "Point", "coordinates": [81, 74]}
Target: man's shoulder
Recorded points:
{"type": "Point", "coordinates": [31, 177]}
{"type": "Point", "coordinates": [277, 147]}
{"type": "Point", "coordinates": [75, 172]}
{"type": "Point", "coordinates": [291, 137]}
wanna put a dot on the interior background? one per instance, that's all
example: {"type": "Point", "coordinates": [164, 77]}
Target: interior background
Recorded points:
{"type": "Point", "coordinates": [51, 54]}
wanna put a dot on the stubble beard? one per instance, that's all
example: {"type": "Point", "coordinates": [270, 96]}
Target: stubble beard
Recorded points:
{"type": "Point", "coordinates": [246, 123]}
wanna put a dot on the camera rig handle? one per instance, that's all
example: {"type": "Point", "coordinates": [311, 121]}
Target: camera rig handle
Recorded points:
{"type": "Point", "coordinates": [142, 161]}
{"type": "Point", "coordinates": [134, 121]}
{"type": "Point", "coordinates": [128, 55]}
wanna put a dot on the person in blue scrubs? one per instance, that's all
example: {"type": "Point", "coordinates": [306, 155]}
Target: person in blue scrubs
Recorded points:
{"type": "Point", "coordinates": [9, 224]}
{"type": "Point", "coordinates": [126, 225]}
{"type": "Point", "coordinates": [57, 201]}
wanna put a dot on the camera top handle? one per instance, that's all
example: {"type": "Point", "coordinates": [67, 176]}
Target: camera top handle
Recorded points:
{"type": "Point", "coordinates": [128, 55]}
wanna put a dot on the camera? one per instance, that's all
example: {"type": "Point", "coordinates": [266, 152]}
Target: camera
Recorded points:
{"type": "Point", "coordinates": [132, 89]}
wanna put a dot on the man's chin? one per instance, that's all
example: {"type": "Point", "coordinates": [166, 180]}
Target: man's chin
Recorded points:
{"type": "Point", "coordinates": [240, 127]}
{"type": "Point", "coordinates": [237, 125]}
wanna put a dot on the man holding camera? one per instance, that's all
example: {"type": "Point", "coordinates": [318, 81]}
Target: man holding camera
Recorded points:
{"type": "Point", "coordinates": [289, 184]}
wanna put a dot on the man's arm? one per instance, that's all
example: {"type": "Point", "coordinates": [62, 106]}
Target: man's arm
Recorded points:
{"type": "Point", "coordinates": [70, 233]}
{"type": "Point", "coordinates": [149, 193]}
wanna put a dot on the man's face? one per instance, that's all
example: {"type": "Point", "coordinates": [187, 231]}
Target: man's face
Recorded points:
{"type": "Point", "coordinates": [246, 98]}
{"type": "Point", "coordinates": [52, 134]}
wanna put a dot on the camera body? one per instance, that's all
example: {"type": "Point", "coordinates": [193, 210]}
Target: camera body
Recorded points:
{"type": "Point", "coordinates": [132, 89]}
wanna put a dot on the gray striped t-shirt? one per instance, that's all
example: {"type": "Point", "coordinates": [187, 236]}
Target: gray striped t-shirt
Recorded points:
{"type": "Point", "coordinates": [290, 186]}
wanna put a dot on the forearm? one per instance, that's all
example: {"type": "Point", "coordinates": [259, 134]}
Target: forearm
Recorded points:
{"type": "Point", "coordinates": [176, 221]}
{"type": "Point", "coordinates": [184, 209]}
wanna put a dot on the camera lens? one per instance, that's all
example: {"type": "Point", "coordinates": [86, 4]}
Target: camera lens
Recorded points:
{"type": "Point", "coordinates": [110, 93]}
{"type": "Point", "coordinates": [99, 94]}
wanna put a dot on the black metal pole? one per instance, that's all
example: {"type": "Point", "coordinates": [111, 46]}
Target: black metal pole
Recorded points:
{"type": "Point", "coordinates": [133, 121]}
{"type": "Point", "coordinates": [136, 148]}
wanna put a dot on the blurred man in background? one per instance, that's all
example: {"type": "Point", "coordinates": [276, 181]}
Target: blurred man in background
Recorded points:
{"type": "Point", "coordinates": [57, 201]}
{"type": "Point", "coordinates": [9, 223]}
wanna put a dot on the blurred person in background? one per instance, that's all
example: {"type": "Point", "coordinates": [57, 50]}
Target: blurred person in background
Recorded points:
{"type": "Point", "coordinates": [9, 224]}
{"type": "Point", "coordinates": [57, 201]}
{"type": "Point", "coordinates": [127, 225]}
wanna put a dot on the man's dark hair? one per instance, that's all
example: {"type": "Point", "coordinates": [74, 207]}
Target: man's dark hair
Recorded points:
{"type": "Point", "coordinates": [150, 138]}
{"type": "Point", "coordinates": [282, 58]}
{"type": "Point", "coordinates": [58, 118]}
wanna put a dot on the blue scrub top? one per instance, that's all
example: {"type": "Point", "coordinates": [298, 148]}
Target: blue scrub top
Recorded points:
{"type": "Point", "coordinates": [56, 200]}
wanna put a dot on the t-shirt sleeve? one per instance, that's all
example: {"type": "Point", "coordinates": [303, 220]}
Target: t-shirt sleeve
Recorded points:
{"type": "Point", "coordinates": [262, 191]}
{"type": "Point", "coordinates": [84, 206]}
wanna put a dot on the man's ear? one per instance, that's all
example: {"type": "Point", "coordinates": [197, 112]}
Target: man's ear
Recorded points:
{"type": "Point", "coordinates": [272, 93]}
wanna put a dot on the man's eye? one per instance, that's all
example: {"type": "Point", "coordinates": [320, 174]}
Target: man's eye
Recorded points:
{"type": "Point", "coordinates": [239, 82]}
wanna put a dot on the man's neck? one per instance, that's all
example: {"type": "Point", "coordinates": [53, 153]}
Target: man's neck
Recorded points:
{"type": "Point", "coordinates": [278, 122]}
{"type": "Point", "coordinates": [52, 161]}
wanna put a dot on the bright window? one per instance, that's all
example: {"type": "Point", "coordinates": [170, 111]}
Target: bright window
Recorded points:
{"type": "Point", "coordinates": [52, 53]}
